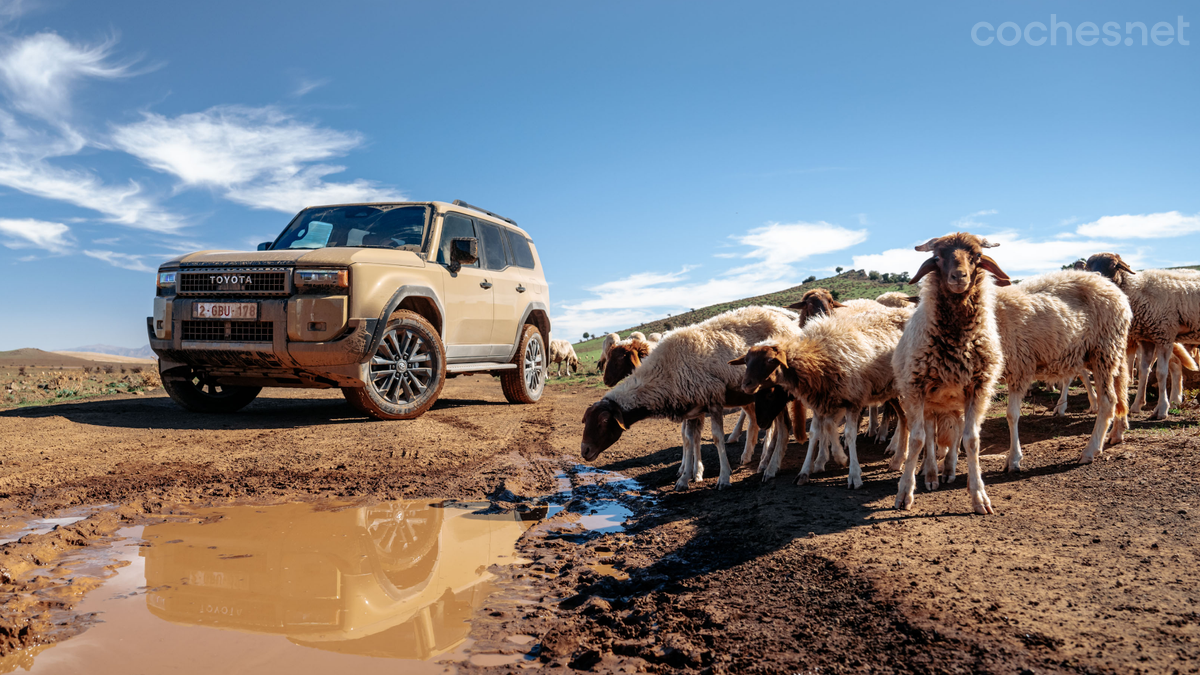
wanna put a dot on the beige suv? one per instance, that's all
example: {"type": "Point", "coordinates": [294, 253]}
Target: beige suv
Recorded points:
{"type": "Point", "coordinates": [385, 301]}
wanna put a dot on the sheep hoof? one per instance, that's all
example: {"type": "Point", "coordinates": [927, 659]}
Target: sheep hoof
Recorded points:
{"type": "Point", "coordinates": [1086, 459]}
{"type": "Point", "coordinates": [981, 503]}
{"type": "Point", "coordinates": [722, 484]}
{"type": "Point", "coordinates": [681, 485]}
{"type": "Point", "coordinates": [1156, 416]}
{"type": "Point", "coordinates": [1012, 467]}
{"type": "Point", "coordinates": [854, 482]}
{"type": "Point", "coordinates": [801, 479]}
{"type": "Point", "coordinates": [932, 484]}
{"type": "Point", "coordinates": [896, 464]}
{"type": "Point", "coordinates": [904, 501]}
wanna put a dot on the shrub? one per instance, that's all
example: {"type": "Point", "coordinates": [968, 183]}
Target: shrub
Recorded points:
{"type": "Point", "coordinates": [873, 275]}
{"type": "Point", "coordinates": [21, 371]}
{"type": "Point", "coordinates": [835, 294]}
{"type": "Point", "coordinates": [135, 369]}
{"type": "Point", "coordinates": [812, 277]}
{"type": "Point", "coordinates": [108, 370]}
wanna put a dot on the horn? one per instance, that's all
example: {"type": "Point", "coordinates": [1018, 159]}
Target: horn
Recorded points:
{"type": "Point", "coordinates": [990, 265]}
{"type": "Point", "coordinates": [926, 267]}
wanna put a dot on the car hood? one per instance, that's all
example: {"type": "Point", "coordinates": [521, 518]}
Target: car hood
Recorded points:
{"type": "Point", "coordinates": [340, 256]}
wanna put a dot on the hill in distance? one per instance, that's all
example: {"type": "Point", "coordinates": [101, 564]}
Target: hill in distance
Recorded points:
{"type": "Point", "coordinates": [37, 358]}
{"type": "Point", "coordinates": [138, 353]}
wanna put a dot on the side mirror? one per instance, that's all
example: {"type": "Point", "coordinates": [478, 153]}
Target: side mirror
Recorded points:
{"type": "Point", "coordinates": [463, 251]}
{"type": "Point", "coordinates": [265, 246]}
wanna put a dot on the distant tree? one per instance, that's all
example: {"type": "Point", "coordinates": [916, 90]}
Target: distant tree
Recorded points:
{"type": "Point", "coordinates": [839, 269]}
{"type": "Point", "coordinates": [585, 335]}
{"type": "Point", "coordinates": [873, 275]}
{"type": "Point", "coordinates": [886, 277]}
{"type": "Point", "coordinates": [812, 277]}
{"type": "Point", "coordinates": [668, 325]}
{"type": "Point", "coordinates": [902, 277]}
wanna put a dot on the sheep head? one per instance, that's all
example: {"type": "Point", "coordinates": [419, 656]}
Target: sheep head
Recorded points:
{"type": "Point", "coordinates": [957, 258]}
{"type": "Point", "coordinates": [762, 362]}
{"type": "Point", "coordinates": [1110, 265]}
{"type": "Point", "coordinates": [817, 302]}
{"type": "Point", "coordinates": [623, 359]}
{"type": "Point", "coordinates": [603, 424]}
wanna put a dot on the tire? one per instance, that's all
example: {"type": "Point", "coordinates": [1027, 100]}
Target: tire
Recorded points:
{"type": "Point", "coordinates": [205, 396]}
{"type": "Point", "coordinates": [395, 389]}
{"type": "Point", "coordinates": [528, 381]}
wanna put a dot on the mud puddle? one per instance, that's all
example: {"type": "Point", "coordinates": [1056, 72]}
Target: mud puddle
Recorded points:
{"type": "Point", "coordinates": [300, 588]}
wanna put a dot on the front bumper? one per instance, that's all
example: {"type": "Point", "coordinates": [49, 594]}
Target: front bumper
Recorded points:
{"type": "Point", "coordinates": [336, 362]}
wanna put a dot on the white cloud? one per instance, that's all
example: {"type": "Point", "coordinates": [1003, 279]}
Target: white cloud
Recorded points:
{"type": "Point", "coordinates": [39, 70]}
{"type": "Point", "coordinates": [1015, 255]}
{"type": "Point", "coordinates": [969, 222]}
{"type": "Point", "coordinates": [306, 85]}
{"type": "Point", "coordinates": [122, 260]}
{"type": "Point", "coordinates": [29, 233]}
{"type": "Point", "coordinates": [1145, 226]}
{"type": "Point", "coordinates": [775, 248]}
{"type": "Point", "coordinates": [260, 157]}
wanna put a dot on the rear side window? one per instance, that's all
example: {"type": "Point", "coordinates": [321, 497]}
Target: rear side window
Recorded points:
{"type": "Point", "coordinates": [521, 253]}
{"type": "Point", "coordinates": [454, 227]}
{"type": "Point", "coordinates": [494, 257]}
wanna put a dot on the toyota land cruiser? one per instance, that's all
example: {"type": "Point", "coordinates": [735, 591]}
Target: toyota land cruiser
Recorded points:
{"type": "Point", "coordinates": [385, 301]}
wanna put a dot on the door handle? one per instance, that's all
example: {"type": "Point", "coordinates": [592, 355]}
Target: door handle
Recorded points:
{"type": "Point", "coordinates": [485, 284]}
{"type": "Point", "coordinates": [520, 289]}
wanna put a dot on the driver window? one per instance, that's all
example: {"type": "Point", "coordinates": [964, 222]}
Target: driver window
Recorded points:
{"type": "Point", "coordinates": [455, 227]}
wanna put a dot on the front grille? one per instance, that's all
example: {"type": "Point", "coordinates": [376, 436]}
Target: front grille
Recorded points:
{"type": "Point", "coordinates": [229, 331]}
{"type": "Point", "coordinates": [234, 282]}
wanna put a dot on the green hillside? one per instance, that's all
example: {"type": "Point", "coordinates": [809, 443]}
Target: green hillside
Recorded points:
{"type": "Point", "coordinates": [847, 286]}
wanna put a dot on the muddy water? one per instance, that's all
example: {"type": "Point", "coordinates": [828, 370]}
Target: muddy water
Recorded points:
{"type": "Point", "coordinates": [290, 589]}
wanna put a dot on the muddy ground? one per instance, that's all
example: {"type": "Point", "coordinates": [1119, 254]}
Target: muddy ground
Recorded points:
{"type": "Point", "coordinates": [1082, 569]}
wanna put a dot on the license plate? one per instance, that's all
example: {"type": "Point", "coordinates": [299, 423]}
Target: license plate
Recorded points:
{"type": "Point", "coordinates": [229, 311]}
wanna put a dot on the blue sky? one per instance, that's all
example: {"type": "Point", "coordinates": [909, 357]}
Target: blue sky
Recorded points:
{"type": "Point", "coordinates": [663, 155]}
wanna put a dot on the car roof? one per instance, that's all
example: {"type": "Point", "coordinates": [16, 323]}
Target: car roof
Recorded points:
{"type": "Point", "coordinates": [443, 207]}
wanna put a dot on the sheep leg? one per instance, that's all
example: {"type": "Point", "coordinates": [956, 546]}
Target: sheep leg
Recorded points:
{"type": "Point", "coordinates": [751, 440]}
{"type": "Point", "coordinates": [1144, 357]}
{"type": "Point", "coordinates": [1176, 398]}
{"type": "Point", "coordinates": [718, 431]}
{"type": "Point", "coordinates": [814, 440]}
{"type": "Point", "coordinates": [974, 419]}
{"type": "Point", "coordinates": [683, 461]}
{"type": "Point", "coordinates": [778, 447]}
{"type": "Point", "coordinates": [768, 444]}
{"type": "Point", "coordinates": [1163, 356]}
{"type": "Point", "coordinates": [932, 480]}
{"type": "Point", "coordinates": [1106, 392]}
{"type": "Point", "coordinates": [798, 422]}
{"type": "Point", "coordinates": [1091, 391]}
{"type": "Point", "coordinates": [854, 479]}
{"type": "Point", "coordinates": [899, 442]}
{"type": "Point", "coordinates": [736, 434]}
{"type": "Point", "coordinates": [916, 441]}
{"type": "Point", "coordinates": [839, 453]}
{"type": "Point", "coordinates": [872, 420]}
{"type": "Point", "coordinates": [950, 469]}
{"type": "Point", "coordinates": [1016, 393]}
{"type": "Point", "coordinates": [691, 453]}
{"type": "Point", "coordinates": [1060, 410]}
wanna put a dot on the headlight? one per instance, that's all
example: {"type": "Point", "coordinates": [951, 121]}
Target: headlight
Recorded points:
{"type": "Point", "coordinates": [166, 279]}
{"type": "Point", "coordinates": [322, 278]}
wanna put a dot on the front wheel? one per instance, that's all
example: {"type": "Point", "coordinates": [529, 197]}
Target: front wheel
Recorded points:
{"type": "Point", "coordinates": [527, 381]}
{"type": "Point", "coordinates": [405, 373]}
{"type": "Point", "coordinates": [203, 395]}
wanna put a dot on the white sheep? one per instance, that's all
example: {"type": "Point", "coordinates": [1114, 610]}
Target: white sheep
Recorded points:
{"type": "Point", "coordinates": [562, 355]}
{"type": "Point", "coordinates": [1055, 325]}
{"type": "Point", "coordinates": [838, 364]}
{"type": "Point", "coordinates": [1180, 359]}
{"type": "Point", "coordinates": [654, 337]}
{"type": "Point", "coordinates": [609, 340]}
{"type": "Point", "coordinates": [949, 358]}
{"type": "Point", "coordinates": [1166, 310]}
{"type": "Point", "coordinates": [686, 377]}
{"type": "Point", "coordinates": [895, 299]}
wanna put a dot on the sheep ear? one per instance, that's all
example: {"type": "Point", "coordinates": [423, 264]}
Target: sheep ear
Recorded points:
{"type": "Point", "coordinates": [619, 416]}
{"type": "Point", "coordinates": [796, 305]}
{"type": "Point", "coordinates": [781, 357]}
{"type": "Point", "coordinates": [739, 361]}
{"type": "Point", "coordinates": [835, 304]}
{"type": "Point", "coordinates": [927, 246]}
{"type": "Point", "coordinates": [990, 265]}
{"type": "Point", "coordinates": [914, 299]}
{"type": "Point", "coordinates": [926, 267]}
{"type": "Point", "coordinates": [633, 358]}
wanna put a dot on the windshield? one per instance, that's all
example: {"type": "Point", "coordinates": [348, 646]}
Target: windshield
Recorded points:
{"type": "Point", "coordinates": [367, 226]}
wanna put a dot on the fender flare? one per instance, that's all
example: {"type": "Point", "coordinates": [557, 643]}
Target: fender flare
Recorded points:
{"type": "Point", "coordinates": [529, 309]}
{"type": "Point", "coordinates": [406, 291]}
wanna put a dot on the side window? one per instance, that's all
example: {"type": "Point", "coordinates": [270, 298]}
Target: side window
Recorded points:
{"type": "Point", "coordinates": [521, 253]}
{"type": "Point", "coordinates": [493, 247]}
{"type": "Point", "coordinates": [454, 227]}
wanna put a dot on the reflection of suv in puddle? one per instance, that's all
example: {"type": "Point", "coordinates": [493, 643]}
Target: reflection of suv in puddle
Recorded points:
{"type": "Point", "coordinates": [398, 580]}
{"type": "Point", "coordinates": [385, 301]}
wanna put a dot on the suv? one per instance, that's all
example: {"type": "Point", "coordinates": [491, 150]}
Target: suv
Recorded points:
{"type": "Point", "coordinates": [385, 301]}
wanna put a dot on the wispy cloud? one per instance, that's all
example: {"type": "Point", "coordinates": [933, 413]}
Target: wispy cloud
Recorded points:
{"type": "Point", "coordinates": [306, 85]}
{"type": "Point", "coordinates": [260, 157]}
{"type": "Point", "coordinates": [774, 251]}
{"type": "Point", "coordinates": [30, 233]}
{"type": "Point", "coordinates": [122, 260]}
{"type": "Point", "coordinates": [969, 222]}
{"type": "Point", "coordinates": [1144, 226]}
{"type": "Point", "coordinates": [38, 71]}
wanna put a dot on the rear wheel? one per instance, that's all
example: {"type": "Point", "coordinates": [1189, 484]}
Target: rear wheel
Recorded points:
{"type": "Point", "coordinates": [526, 383]}
{"type": "Point", "coordinates": [202, 394]}
{"type": "Point", "coordinates": [405, 373]}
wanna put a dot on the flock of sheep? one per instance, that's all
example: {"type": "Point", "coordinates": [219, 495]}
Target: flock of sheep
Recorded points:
{"type": "Point", "coordinates": [928, 364]}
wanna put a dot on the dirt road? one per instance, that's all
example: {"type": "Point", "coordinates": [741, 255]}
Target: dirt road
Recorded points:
{"type": "Point", "coordinates": [1082, 569]}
